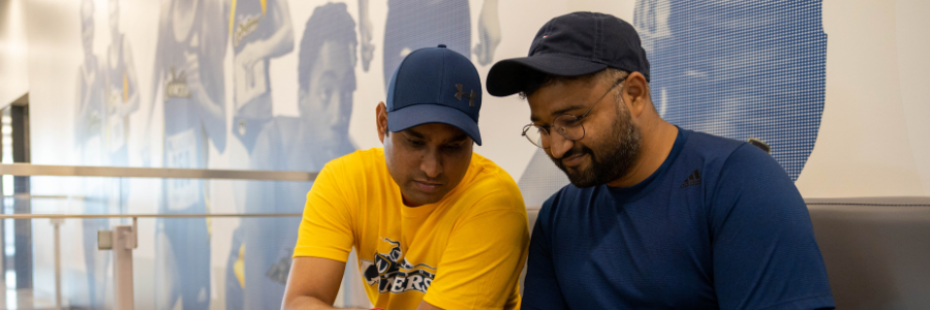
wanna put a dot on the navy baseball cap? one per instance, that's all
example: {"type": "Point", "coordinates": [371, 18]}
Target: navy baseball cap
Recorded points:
{"type": "Point", "coordinates": [435, 85]}
{"type": "Point", "coordinates": [571, 45]}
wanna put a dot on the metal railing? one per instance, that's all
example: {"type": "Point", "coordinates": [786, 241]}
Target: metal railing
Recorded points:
{"type": "Point", "coordinates": [124, 238]}
{"type": "Point", "coordinates": [158, 173]}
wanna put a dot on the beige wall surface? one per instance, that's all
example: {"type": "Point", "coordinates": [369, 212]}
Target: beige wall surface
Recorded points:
{"type": "Point", "coordinates": [14, 69]}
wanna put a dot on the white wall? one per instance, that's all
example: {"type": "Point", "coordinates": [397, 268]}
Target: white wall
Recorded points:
{"type": "Point", "coordinates": [14, 69]}
{"type": "Point", "coordinates": [874, 135]}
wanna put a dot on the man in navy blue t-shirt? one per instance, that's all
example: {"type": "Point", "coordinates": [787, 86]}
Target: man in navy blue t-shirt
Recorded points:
{"type": "Point", "coordinates": [657, 217]}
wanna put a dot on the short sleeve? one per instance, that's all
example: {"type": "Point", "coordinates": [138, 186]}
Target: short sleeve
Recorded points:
{"type": "Point", "coordinates": [541, 288]}
{"type": "Point", "coordinates": [764, 252]}
{"type": "Point", "coordinates": [326, 228]}
{"type": "Point", "coordinates": [480, 267]}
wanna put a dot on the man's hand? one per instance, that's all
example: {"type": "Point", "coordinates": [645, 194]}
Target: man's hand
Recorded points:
{"type": "Point", "coordinates": [250, 53]}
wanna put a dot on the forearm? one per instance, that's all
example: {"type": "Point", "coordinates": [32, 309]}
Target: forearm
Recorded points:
{"type": "Point", "coordinates": [281, 43]}
{"type": "Point", "coordinates": [308, 303]}
{"type": "Point", "coordinates": [305, 303]}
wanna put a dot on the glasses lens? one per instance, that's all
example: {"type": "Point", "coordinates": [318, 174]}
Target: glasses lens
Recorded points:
{"type": "Point", "coordinates": [569, 127]}
{"type": "Point", "coordinates": [534, 134]}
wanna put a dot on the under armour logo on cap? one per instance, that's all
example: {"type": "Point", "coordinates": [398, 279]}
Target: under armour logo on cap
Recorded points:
{"type": "Point", "coordinates": [471, 96]}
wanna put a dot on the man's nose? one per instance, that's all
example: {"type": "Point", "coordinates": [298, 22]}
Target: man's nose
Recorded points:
{"type": "Point", "coordinates": [558, 145]}
{"type": "Point", "coordinates": [431, 164]}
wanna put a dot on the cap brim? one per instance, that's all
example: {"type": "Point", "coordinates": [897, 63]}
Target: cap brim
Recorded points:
{"type": "Point", "coordinates": [507, 77]}
{"type": "Point", "coordinates": [420, 114]}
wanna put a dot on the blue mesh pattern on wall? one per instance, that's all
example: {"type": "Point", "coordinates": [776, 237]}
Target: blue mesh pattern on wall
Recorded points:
{"type": "Point", "coordinates": [753, 69]}
{"type": "Point", "coordinates": [540, 180]}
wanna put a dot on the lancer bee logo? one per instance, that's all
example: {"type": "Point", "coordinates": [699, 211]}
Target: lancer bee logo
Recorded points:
{"type": "Point", "coordinates": [393, 273]}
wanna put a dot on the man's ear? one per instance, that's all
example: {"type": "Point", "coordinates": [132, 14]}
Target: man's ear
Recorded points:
{"type": "Point", "coordinates": [381, 119]}
{"type": "Point", "coordinates": [636, 93]}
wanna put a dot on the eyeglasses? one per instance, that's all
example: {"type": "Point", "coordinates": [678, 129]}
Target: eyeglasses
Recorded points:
{"type": "Point", "coordinates": [567, 125]}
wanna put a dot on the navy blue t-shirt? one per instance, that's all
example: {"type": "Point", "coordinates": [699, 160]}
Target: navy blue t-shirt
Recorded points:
{"type": "Point", "coordinates": [719, 225]}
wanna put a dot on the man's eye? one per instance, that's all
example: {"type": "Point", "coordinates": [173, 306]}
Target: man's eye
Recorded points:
{"type": "Point", "coordinates": [452, 148]}
{"type": "Point", "coordinates": [416, 143]}
{"type": "Point", "coordinates": [569, 122]}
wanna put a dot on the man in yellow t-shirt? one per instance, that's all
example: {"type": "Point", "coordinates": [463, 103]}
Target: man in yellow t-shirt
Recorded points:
{"type": "Point", "coordinates": [435, 226]}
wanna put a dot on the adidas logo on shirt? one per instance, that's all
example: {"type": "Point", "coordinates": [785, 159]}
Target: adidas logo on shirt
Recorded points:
{"type": "Point", "coordinates": [693, 179]}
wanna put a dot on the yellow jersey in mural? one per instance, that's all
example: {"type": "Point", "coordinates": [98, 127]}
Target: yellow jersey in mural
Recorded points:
{"type": "Point", "coordinates": [464, 252]}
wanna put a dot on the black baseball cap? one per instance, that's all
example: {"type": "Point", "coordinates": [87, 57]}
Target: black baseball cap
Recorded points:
{"type": "Point", "coordinates": [571, 45]}
{"type": "Point", "coordinates": [435, 85]}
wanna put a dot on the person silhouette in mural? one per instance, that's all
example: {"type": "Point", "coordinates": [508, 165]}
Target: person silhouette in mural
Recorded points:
{"type": "Point", "coordinates": [326, 77]}
{"type": "Point", "coordinates": [657, 216]}
{"type": "Point", "coordinates": [424, 23]}
{"type": "Point", "coordinates": [89, 140]}
{"type": "Point", "coordinates": [122, 90]}
{"type": "Point", "coordinates": [188, 80]}
{"type": "Point", "coordinates": [261, 30]}
{"type": "Point", "coordinates": [122, 94]}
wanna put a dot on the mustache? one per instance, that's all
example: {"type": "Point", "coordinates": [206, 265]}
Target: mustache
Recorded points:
{"type": "Point", "coordinates": [437, 180]}
{"type": "Point", "coordinates": [576, 151]}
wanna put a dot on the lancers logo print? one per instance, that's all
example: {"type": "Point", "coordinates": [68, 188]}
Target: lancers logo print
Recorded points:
{"type": "Point", "coordinates": [393, 273]}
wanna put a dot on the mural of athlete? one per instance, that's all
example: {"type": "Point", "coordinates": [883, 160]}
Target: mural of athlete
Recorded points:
{"type": "Point", "coordinates": [425, 23]}
{"type": "Point", "coordinates": [260, 30]}
{"type": "Point", "coordinates": [89, 136]}
{"type": "Point", "coordinates": [122, 97]}
{"type": "Point", "coordinates": [188, 78]}
{"type": "Point", "coordinates": [326, 74]}
{"type": "Point", "coordinates": [122, 91]}
{"type": "Point", "coordinates": [726, 73]}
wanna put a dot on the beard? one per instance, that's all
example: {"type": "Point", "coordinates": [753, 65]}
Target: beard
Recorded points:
{"type": "Point", "coordinates": [614, 157]}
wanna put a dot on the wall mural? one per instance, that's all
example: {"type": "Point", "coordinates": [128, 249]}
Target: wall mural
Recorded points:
{"type": "Point", "coordinates": [326, 74]}
{"type": "Point", "coordinates": [107, 93]}
{"type": "Point", "coordinates": [740, 70]}
{"type": "Point", "coordinates": [189, 87]}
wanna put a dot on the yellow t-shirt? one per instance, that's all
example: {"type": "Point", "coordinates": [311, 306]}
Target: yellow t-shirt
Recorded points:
{"type": "Point", "coordinates": [463, 252]}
